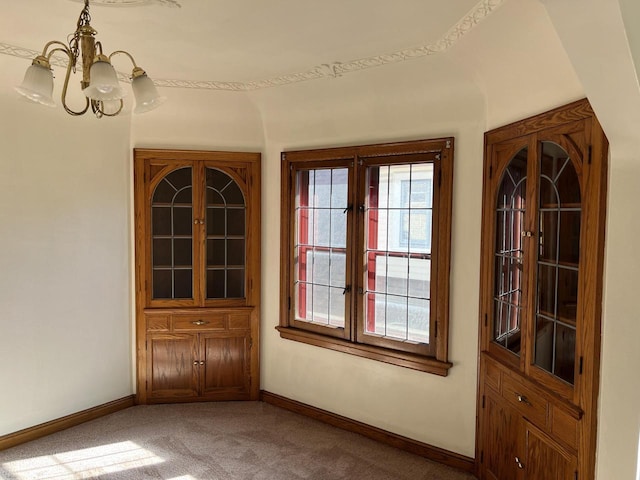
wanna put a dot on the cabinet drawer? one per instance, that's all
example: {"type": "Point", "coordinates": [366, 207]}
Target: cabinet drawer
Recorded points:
{"type": "Point", "coordinates": [198, 322]}
{"type": "Point", "coordinates": [533, 407]}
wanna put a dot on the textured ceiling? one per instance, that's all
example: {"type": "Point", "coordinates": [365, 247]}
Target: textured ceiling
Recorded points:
{"type": "Point", "coordinates": [248, 44]}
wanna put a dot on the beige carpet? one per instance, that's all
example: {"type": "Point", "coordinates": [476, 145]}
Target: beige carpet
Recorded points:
{"type": "Point", "coordinates": [213, 441]}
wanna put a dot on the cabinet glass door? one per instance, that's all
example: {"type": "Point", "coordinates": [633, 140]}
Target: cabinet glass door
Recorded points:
{"type": "Point", "coordinates": [509, 255]}
{"type": "Point", "coordinates": [557, 262]}
{"type": "Point", "coordinates": [226, 236]}
{"type": "Point", "coordinates": [172, 236]}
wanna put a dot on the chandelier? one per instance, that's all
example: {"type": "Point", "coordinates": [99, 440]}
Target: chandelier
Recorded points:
{"type": "Point", "coordinates": [99, 79]}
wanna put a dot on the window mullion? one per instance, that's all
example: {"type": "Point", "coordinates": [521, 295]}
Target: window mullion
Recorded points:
{"type": "Point", "coordinates": [355, 238]}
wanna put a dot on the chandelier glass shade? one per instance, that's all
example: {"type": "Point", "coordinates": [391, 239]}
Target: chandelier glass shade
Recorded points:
{"type": "Point", "coordinates": [99, 82]}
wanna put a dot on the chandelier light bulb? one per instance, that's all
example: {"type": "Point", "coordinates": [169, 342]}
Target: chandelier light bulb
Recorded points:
{"type": "Point", "coordinates": [145, 92]}
{"type": "Point", "coordinates": [104, 81]}
{"type": "Point", "coordinates": [37, 85]}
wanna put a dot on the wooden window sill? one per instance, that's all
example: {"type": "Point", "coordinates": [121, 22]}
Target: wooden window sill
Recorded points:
{"type": "Point", "coordinates": [402, 359]}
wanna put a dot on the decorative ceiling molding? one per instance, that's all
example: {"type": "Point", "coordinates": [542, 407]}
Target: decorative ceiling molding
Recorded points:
{"type": "Point", "coordinates": [132, 3]}
{"type": "Point", "coordinates": [336, 69]}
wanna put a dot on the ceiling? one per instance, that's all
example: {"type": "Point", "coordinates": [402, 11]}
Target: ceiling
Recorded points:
{"type": "Point", "coordinates": [247, 44]}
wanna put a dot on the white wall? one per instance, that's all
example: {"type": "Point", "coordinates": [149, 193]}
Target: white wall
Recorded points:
{"type": "Point", "coordinates": [64, 259]}
{"type": "Point", "coordinates": [200, 119]}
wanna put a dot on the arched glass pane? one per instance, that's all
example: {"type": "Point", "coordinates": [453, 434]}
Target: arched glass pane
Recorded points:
{"type": "Point", "coordinates": [172, 236]}
{"type": "Point", "coordinates": [226, 236]}
{"type": "Point", "coordinates": [510, 213]}
{"type": "Point", "coordinates": [557, 264]}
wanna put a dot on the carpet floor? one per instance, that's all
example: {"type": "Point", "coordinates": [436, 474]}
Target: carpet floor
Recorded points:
{"type": "Point", "coordinates": [213, 441]}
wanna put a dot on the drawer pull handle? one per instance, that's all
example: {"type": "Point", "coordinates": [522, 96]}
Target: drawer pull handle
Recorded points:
{"type": "Point", "coordinates": [523, 399]}
{"type": "Point", "coordinates": [196, 362]}
{"type": "Point", "coordinates": [201, 362]}
{"type": "Point", "coordinates": [519, 463]}
{"type": "Point", "coordinates": [200, 322]}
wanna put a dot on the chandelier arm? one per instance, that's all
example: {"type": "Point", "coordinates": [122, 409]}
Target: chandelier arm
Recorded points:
{"type": "Point", "coordinates": [66, 81]}
{"type": "Point", "coordinates": [127, 54]}
{"type": "Point", "coordinates": [100, 109]}
{"type": "Point", "coordinates": [62, 47]}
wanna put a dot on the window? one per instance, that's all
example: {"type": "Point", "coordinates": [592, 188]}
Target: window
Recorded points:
{"type": "Point", "coordinates": [366, 249]}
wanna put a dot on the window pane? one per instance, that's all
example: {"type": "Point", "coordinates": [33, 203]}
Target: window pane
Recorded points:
{"type": "Point", "coordinates": [322, 191]}
{"type": "Point", "coordinates": [337, 306]}
{"type": "Point", "coordinates": [320, 244]}
{"type": "Point", "coordinates": [418, 320]}
{"type": "Point", "coordinates": [397, 317]}
{"type": "Point", "coordinates": [397, 275]}
{"type": "Point", "coordinates": [321, 267]}
{"type": "Point", "coordinates": [418, 231]}
{"type": "Point", "coordinates": [322, 227]}
{"type": "Point", "coordinates": [420, 278]}
{"type": "Point", "coordinates": [398, 239]}
{"type": "Point", "coordinates": [338, 264]}
{"type": "Point", "coordinates": [339, 199]}
{"type": "Point", "coordinates": [376, 307]}
{"type": "Point", "coordinates": [320, 304]}
{"type": "Point", "coordinates": [338, 228]}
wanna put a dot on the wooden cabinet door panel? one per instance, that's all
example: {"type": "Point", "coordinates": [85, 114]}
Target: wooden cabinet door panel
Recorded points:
{"type": "Point", "coordinates": [500, 430]}
{"type": "Point", "coordinates": [172, 370]}
{"type": "Point", "coordinates": [226, 368]}
{"type": "Point", "coordinates": [544, 458]}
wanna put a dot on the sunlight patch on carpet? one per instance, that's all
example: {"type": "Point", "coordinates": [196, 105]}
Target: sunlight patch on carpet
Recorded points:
{"type": "Point", "coordinates": [85, 463]}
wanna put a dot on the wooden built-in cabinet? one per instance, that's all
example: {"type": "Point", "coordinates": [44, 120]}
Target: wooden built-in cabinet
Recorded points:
{"type": "Point", "coordinates": [541, 296]}
{"type": "Point", "coordinates": [197, 221]}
